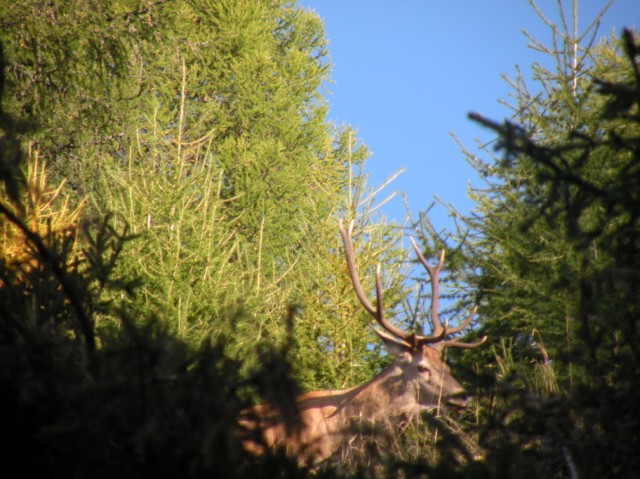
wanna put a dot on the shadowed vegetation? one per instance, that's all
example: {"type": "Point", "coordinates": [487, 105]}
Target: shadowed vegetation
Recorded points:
{"type": "Point", "coordinates": [169, 254]}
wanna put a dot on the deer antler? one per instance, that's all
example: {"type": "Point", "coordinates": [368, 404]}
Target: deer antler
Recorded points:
{"type": "Point", "coordinates": [436, 325]}
{"type": "Point", "coordinates": [412, 339]}
{"type": "Point", "coordinates": [378, 311]}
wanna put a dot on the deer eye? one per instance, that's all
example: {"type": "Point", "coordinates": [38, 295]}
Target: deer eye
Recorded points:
{"type": "Point", "coordinates": [422, 368]}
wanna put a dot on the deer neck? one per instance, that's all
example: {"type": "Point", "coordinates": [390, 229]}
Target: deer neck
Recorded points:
{"type": "Point", "coordinates": [385, 396]}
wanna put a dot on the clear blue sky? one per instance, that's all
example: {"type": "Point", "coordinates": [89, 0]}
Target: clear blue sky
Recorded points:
{"type": "Point", "coordinates": [407, 73]}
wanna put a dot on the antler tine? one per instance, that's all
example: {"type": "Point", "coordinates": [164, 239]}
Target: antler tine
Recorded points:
{"type": "Point", "coordinates": [378, 311]}
{"type": "Point", "coordinates": [454, 343]}
{"type": "Point", "coordinates": [464, 323]}
{"type": "Point", "coordinates": [439, 330]}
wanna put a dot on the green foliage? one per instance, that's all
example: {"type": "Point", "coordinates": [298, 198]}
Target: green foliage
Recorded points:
{"type": "Point", "coordinates": [563, 216]}
{"type": "Point", "coordinates": [131, 401]}
{"type": "Point", "coordinates": [200, 126]}
{"type": "Point", "coordinates": [554, 242]}
{"type": "Point", "coordinates": [194, 134]}
{"type": "Point", "coordinates": [67, 75]}
{"type": "Point", "coordinates": [245, 86]}
{"type": "Point", "coordinates": [225, 231]}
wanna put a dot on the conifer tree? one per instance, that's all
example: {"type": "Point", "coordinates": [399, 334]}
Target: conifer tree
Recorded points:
{"type": "Point", "coordinates": [555, 251]}
{"type": "Point", "coordinates": [200, 125]}
{"type": "Point", "coordinates": [69, 79]}
{"type": "Point", "coordinates": [539, 234]}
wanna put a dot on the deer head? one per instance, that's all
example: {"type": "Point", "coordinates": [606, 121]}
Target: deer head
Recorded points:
{"type": "Point", "coordinates": [424, 375]}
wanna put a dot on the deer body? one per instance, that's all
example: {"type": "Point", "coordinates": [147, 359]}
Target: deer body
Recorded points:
{"type": "Point", "coordinates": [417, 380]}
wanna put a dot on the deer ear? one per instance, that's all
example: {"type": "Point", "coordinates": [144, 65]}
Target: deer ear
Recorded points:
{"type": "Point", "coordinates": [393, 345]}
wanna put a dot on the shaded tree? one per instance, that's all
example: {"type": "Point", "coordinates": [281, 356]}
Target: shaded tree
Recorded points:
{"type": "Point", "coordinates": [554, 243]}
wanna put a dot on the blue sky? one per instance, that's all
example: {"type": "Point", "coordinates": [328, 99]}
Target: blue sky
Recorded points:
{"type": "Point", "coordinates": [406, 74]}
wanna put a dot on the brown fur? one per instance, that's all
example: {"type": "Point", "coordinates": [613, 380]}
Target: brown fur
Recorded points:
{"type": "Point", "coordinates": [417, 380]}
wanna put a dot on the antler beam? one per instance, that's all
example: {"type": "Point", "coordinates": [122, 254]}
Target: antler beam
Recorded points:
{"type": "Point", "coordinates": [378, 311]}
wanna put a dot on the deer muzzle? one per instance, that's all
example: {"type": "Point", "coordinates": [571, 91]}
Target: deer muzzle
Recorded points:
{"type": "Point", "coordinates": [459, 401]}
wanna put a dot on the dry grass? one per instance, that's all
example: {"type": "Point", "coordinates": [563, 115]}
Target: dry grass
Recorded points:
{"type": "Point", "coordinates": [383, 450]}
{"type": "Point", "coordinates": [46, 211]}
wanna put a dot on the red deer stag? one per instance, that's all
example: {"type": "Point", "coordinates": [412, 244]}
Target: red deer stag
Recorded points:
{"type": "Point", "coordinates": [417, 380]}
